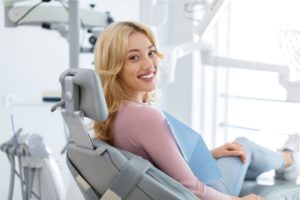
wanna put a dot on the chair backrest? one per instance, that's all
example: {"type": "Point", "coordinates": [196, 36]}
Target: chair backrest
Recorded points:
{"type": "Point", "coordinates": [101, 170]}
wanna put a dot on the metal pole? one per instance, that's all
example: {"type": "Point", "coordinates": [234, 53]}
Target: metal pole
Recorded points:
{"type": "Point", "coordinates": [74, 28]}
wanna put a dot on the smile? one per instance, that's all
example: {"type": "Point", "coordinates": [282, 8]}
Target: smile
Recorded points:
{"type": "Point", "coordinates": [147, 76]}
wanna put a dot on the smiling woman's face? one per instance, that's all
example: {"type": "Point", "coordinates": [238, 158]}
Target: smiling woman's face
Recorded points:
{"type": "Point", "coordinates": [138, 74]}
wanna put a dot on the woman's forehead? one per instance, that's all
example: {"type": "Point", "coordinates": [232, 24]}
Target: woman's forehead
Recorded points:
{"type": "Point", "coordinates": [138, 40]}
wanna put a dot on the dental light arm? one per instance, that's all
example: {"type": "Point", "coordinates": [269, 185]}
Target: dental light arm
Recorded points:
{"type": "Point", "coordinates": [55, 14]}
{"type": "Point", "coordinates": [173, 53]}
{"type": "Point", "coordinates": [64, 17]}
{"type": "Point", "coordinates": [284, 72]}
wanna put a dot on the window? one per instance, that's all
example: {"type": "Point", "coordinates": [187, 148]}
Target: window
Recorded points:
{"type": "Point", "coordinates": [251, 103]}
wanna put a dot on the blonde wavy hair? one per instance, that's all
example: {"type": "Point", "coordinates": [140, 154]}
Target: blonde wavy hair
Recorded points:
{"type": "Point", "coordinates": [110, 53]}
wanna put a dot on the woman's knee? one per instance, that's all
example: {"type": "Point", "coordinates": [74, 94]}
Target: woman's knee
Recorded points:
{"type": "Point", "coordinates": [241, 140]}
{"type": "Point", "coordinates": [247, 144]}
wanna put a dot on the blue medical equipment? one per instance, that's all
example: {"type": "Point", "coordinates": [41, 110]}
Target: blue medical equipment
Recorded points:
{"type": "Point", "coordinates": [194, 150]}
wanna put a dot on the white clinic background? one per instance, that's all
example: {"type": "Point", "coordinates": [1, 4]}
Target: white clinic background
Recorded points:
{"type": "Point", "coordinates": [31, 60]}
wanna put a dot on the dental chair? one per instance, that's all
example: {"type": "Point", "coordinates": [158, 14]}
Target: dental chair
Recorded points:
{"type": "Point", "coordinates": [100, 170]}
{"type": "Point", "coordinates": [107, 173]}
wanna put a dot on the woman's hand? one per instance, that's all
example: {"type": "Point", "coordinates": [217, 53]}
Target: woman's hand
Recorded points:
{"type": "Point", "coordinates": [249, 197]}
{"type": "Point", "coordinates": [230, 149]}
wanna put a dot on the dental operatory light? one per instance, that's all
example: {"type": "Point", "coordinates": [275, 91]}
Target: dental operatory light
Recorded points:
{"type": "Point", "coordinates": [54, 15]}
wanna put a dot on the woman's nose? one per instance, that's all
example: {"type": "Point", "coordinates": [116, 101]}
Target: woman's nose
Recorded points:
{"type": "Point", "coordinates": [149, 63]}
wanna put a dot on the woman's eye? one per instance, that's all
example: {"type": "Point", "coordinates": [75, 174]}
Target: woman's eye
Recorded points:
{"type": "Point", "coordinates": [152, 53]}
{"type": "Point", "coordinates": [134, 58]}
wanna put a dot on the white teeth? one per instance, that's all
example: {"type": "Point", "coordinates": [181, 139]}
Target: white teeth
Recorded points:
{"type": "Point", "coordinates": [147, 76]}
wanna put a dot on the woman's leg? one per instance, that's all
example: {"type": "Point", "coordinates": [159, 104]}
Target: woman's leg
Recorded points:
{"type": "Point", "coordinates": [261, 159]}
{"type": "Point", "coordinates": [234, 171]}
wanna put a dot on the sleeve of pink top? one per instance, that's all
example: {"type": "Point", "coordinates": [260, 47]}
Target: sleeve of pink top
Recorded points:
{"type": "Point", "coordinates": [153, 134]}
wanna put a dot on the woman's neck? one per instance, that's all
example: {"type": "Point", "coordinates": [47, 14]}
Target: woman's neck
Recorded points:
{"type": "Point", "coordinates": [136, 101]}
{"type": "Point", "coordinates": [139, 98]}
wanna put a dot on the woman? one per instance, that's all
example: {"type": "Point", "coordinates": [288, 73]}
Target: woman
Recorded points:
{"type": "Point", "coordinates": [126, 59]}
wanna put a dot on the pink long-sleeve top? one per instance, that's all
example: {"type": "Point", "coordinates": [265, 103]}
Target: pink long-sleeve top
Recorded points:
{"type": "Point", "coordinates": [143, 130]}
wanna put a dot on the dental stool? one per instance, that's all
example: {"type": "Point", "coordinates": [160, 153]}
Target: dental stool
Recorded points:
{"type": "Point", "coordinates": [100, 170]}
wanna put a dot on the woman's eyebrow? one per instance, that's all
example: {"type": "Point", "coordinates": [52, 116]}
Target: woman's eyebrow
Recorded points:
{"type": "Point", "coordinates": [137, 50]}
{"type": "Point", "coordinates": [151, 46]}
{"type": "Point", "coordinates": [133, 50]}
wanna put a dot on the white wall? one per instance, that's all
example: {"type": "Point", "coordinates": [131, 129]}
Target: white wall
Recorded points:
{"type": "Point", "coordinates": [176, 98]}
{"type": "Point", "coordinates": [31, 60]}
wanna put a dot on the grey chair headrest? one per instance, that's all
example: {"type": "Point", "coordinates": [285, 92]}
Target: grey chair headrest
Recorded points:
{"type": "Point", "coordinates": [91, 98]}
